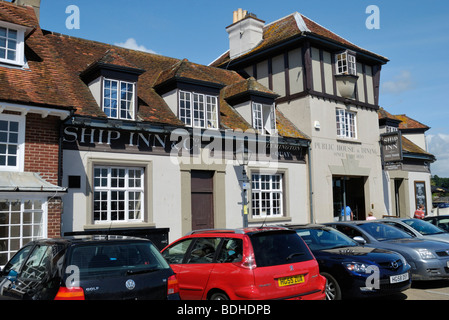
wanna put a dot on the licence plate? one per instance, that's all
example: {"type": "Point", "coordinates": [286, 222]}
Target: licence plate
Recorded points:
{"type": "Point", "coordinates": [288, 281]}
{"type": "Point", "coordinates": [399, 278]}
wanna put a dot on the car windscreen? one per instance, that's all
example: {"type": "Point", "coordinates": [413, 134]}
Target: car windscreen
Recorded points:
{"type": "Point", "coordinates": [326, 238]}
{"type": "Point", "coordinates": [279, 247]}
{"type": "Point", "coordinates": [383, 232]}
{"type": "Point", "coordinates": [423, 227]}
{"type": "Point", "coordinates": [104, 259]}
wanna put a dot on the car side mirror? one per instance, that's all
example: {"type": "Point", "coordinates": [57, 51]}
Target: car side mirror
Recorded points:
{"type": "Point", "coordinates": [360, 240]}
{"type": "Point", "coordinates": [12, 275]}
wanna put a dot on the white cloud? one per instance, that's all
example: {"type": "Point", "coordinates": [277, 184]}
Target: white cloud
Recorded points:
{"type": "Point", "coordinates": [401, 83]}
{"type": "Point", "coordinates": [131, 43]}
{"type": "Point", "coordinates": [438, 145]}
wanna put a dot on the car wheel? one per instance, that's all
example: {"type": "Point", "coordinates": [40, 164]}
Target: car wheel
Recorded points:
{"type": "Point", "coordinates": [219, 296]}
{"type": "Point", "coordinates": [333, 291]}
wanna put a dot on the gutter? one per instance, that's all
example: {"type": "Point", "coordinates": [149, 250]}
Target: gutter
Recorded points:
{"type": "Point", "coordinates": [309, 164]}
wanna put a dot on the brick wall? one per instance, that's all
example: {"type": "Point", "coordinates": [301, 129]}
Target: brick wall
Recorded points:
{"type": "Point", "coordinates": [42, 156]}
{"type": "Point", "coordinates": [42, 146]}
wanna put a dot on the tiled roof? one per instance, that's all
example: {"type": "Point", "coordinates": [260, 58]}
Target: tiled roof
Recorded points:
{"type": "Point", "coordinates": [57, 62]}
{"type": "Point", "coordinates": [249, 85]}
{"type": "Point", "coordinates": [410, 147]}
{"type": "Point", "coordinates": [289, 27]}
{"type": "Point", "coordinates": [409, 123]}
{"type": "Point", "coordinates": [41, 82]}
{"type": "Point", "coordinates": [405, 122]}
{"type": "Point", "coordinates": [20, 15]}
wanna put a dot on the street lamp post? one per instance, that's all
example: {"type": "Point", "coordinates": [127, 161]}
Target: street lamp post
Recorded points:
{"type": "Point", "coordinates": [243, 156]}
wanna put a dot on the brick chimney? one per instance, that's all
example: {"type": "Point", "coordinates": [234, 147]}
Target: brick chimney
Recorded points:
{"type": "Point", "coordinates": [36, 4]}
{"type": "Point", "coordinates": [245, 33]}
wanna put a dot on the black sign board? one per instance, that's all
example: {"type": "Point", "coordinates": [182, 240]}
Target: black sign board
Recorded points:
{"type": "Point", "coordinates": [391, 146]}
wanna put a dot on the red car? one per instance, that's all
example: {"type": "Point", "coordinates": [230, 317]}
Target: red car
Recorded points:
{"type": "Point", "coordinates": [250, 263]}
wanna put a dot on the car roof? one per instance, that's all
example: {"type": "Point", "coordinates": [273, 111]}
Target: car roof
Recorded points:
{"type": "Point", "coordinates": [87, 239]}
{"type": "Point", "coordinates": [249, 230]}
{"type": "Point", "coordinates": [306, 226]}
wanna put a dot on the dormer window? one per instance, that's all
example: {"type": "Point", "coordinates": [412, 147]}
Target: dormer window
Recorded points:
{"type": "Point", "coordinates": [112, 81]}
{"type": "Point", "coordinates": [198, 110]}
{"type": "Point", "coordinates": [12, 45]}
{"type": "Point", "coordinates": [264, 119]}
{"type": "Point", "coordinates": [346, 63]}
{"type": "Point", "coordinates": [119, 99]}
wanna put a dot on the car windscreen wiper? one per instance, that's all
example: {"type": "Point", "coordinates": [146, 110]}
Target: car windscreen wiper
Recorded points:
{"type": "Point", "coordinates": [130, 272]}
{"type": "Point", "coordinates": [294, 254]}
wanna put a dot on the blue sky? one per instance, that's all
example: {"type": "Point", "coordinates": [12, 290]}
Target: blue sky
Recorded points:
{"type": "Point", "coordinates": [414, 35]}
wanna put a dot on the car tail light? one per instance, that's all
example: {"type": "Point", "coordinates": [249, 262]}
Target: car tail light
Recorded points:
{"type": "Point", "coordinates": [249, 260]}
{"type": "Point", "coordinates": [73, 293]}
{"type": "Point", "coordinates": [172, 285]}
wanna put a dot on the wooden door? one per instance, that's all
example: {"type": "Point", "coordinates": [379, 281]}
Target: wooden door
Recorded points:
{"type": "Point", "coordinates": [202, 188]}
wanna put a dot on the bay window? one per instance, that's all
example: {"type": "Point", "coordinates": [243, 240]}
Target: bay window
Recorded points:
{"type": "Point", "coordinates": [346, 63]}
{"type": "Point", "coordinates": [21, 221]}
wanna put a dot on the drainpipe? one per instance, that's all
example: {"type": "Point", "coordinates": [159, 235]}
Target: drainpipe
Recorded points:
{"type": "Point", "coordinates": [309, 162]}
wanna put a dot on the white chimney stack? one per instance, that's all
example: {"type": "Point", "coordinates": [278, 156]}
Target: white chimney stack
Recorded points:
{"type": "Point", "coordinates": [245, 33]}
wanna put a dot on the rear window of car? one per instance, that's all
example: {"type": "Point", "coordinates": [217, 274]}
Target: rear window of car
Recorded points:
{"type": "Point", "coordinates": [105, 259]}
{"type": "Point", "coordinates": [279, 247]}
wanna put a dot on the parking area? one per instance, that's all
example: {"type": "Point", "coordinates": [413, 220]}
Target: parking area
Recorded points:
{"type": "Point", "coordinates": [424, 290]}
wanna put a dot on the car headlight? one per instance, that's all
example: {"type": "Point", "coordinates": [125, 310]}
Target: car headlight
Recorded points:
{"type": "Point", "coordinates": [356, 267]}
{"type": "Point", "coordinates": [426, 254]}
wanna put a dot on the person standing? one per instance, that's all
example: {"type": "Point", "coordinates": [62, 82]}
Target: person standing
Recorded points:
{"type": "Point", "coordinates": [371, 216]}
{"type": "Point", "coordinates": [419, 213]}
{"type": "Point", "coordinates": [346, 214]}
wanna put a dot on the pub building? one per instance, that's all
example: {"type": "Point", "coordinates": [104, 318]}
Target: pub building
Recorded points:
{"type": "Point", "coordinates": [328, 87]}
{"type": "Point", "coordinates": [101, 139]}
{"type": "Point", "coordinates": [167, 144]}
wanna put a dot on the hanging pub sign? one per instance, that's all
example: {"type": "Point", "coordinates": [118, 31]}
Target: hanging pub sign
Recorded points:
{"type": "Point", "coordinates": [391, 146]}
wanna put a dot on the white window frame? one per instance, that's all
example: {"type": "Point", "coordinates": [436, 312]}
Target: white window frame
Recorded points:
{"type": "Point", "coordinates": [198, 110]}
{"type": "Point", "coordinates": [120, 101]}
{"type": "Point", "coordinates": [264, 118]}
{"type": "Point", "coordinates": [26, 221]}
{"type": "Point", "coordinates": [106, 192]}
{"type": "Point", "coordinates": [346, 124]}
{"type": "Point", "coordinates": [19, 145]}
{"type": "Point", "coordinates": [346, 63]}
{"type": "Point", "coordinates": [267, 195]}
{"type": "Point", "coordinates": [19, 59]}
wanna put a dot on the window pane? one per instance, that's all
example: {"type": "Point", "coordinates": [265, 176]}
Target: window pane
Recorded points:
{"type": "Point", "coordinates": [12, 34]}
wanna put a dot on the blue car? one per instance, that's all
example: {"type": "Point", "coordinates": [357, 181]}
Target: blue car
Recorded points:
{"type": "Point", "coordinates": [353, 270]}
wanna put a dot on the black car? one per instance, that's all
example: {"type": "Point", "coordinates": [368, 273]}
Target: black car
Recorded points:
{"type": "Point", "coordinates": [88, 268]}
{"type": "Point", "coordinates": [439, 221]}
{"type": "Point", "coordinates": [350, 268]}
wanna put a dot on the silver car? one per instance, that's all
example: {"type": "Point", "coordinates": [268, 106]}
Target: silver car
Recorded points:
{"type": "Point", "coordinates": [429, 259]}
{"type": "Point", "coordinates": [418, 228]}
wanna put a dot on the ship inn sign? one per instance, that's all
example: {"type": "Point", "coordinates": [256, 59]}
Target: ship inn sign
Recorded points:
{"type": "Point", "coordinates": [391, 147]}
